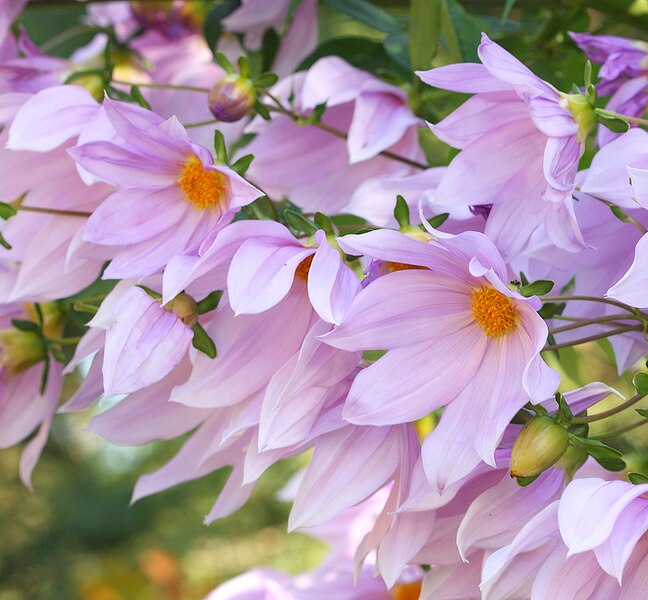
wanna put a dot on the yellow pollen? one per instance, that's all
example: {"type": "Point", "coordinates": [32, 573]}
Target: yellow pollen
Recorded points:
{"type": "Point", "coordinates": [303, 268]}
{"type": "Point", "coordinates": [493, 311]}
{"type": "Point", "coordinates": [396, 266]}
{"type": "Point", "coordinates": [407, 591]}
{"type": "Point", "coordinates": [202, 187]}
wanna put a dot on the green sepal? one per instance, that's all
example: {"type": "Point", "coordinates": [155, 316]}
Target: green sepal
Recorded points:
{"type": "Point", "coordinates": [402, 212]}
{"type": "Point", "coordinates": [299, 222]}
{"type": "Point", "coordinates": [201, 341]}
{"type": "Point", "coordinates": [220, 148]}
{"type": "Point", "coordinates": [242, 164]}
{"type": "Point", "coordinates": [637, 478]}
{"type": "Point", "coordinates": [640, 382]}
{"type": "Point", "coordinates": [524, 481]}
{"type": "Point", "coordinates": [209, 303]}
{"type": "Point", "coordinates": [137, 95]}
{"type": "Point", "coordinates": [7, 211]}
{"type": "Point", "coordinates": [537, 288]}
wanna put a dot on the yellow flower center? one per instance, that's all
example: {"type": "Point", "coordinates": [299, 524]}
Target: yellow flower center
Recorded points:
{"type": "Point", "coordinates": [202, 187]}
{"type": "Point", "coordinates": [407, 591]}
{"type": "Point", "coordinates": [494, 312]}
{"type": "Point", "coordinates": [303, 268]}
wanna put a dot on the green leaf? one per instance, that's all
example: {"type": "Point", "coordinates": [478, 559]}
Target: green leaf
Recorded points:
{"type": "Point", "coordinates": [266, 80]}
{"type": "Point", "coordinates": [507, 9]}
{"type": "Point", "coordinates": [261, 110]}
{"type": "Point", "coordinates": [396, 45]}
{"type": "Point", "coordinates": [324, 222]}
{"type": "Point", "coordinates": [539, 287]}
{"type": "Point", "coordinates": [366, 13]}
{"type": "Point", "coordinates": [219, 147]}
{"type": "Point", "coordinates": [611, 464]}
{"type": "Point", "coordinates": [6, 211]}
{"type": "Point", "coordinates": [269, 49]}
{"type": "Point", "coordinates": [437, 220]}
{"type": "Point", "coordinates": [209, 303]}
{"type": "Point", "coordinates": [201, 341]}
{"type": "Point", "coordinates": [637, 478]}
{"type": "Point", "coordinates": [299, 222]}
{"type": "Point", "coordinates": [224, 63]}
{"type": "Point", "coordinates": [564, 414]}
{"type": "Point", "coordinates": [613, 123]}
{"type": "Point", "coordinates": [640, 381]}
{"type": "Point", "coordinates": [213, 27]}
{"type": "Point", "coordinates": [461, 31]}
{"type": "Point", "coordinates": [524, 481]}
{"type": "Point", "coordinates": [137, 95]}
{"type": "Point", "coordinates": [402, 212]}
{"type": "Point", "coordinates": [244, 66]}
{"type": "Point", "coordinates": [424, 32]}
{"type": "Point", "coordinates": [596, 449]}
{"type": "Point", "coordinates": [642, 411]}
{"type": "Point", "coordinates": [551, 309]}
{"type": "Point", "coordinates": [24, 325]}
{"type": "Point", "coordinates": [243, 164]}
{"type": "Point", "coordinates": [4, 243]}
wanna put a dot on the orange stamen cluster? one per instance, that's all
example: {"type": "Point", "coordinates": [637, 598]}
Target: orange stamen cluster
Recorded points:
{"type": "Point", "coordinates": [407, 591]}
{"type": "Point", "coordinates": [202, 187]}
{"type": "Point", "coordinates": [303, 268]}
{"type": "Point", "coordinates": [494, 312]}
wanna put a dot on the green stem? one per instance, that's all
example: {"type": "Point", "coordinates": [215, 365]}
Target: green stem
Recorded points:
{"type": "Point", "coordinates": [621, 214]}
{"type": "Point", "coordinates": [592, 338]}
{"type": "Point", "coordinates": [610, 320]}
{"type": "Point", "coordinates": [65, 36]}
{"type": "Point", "coordinates": [279, 108]}
{"type": "Point", "coordinates": [616, 115]}
{"type": "Point", "coordinates": [616, 432]}
{"type": "Point", "coordinates": [621, 305]}
{"type": "Point", "coordinates": [51, 211]}
{"type": "Point", "coordinates": [162, 86]}
{"type": "Point", "coordinates": [608, 413]}
{"type": "Point", "coordinates": [200, 123]}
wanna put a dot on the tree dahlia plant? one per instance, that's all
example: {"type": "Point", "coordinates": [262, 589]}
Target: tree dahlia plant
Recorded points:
{"type": "Point", "coordinates": [284, 250]}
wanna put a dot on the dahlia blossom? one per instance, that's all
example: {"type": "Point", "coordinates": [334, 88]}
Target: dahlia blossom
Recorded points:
{"type": "Point", "coordinates": [457, 336]}
{"type": "Point", "coordinates": [520, 141]}
{"type": "Point", "coordinates": [170, 195]}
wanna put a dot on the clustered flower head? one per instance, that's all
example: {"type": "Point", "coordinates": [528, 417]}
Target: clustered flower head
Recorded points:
{"type": "Point", "coordinates": [261, 260]}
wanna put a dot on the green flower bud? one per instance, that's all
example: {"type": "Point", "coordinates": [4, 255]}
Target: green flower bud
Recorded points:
{"type": "Point", "coordinates": [184, 307]}
{"type": "Point", "coordinates": [20, 350]}
{"type": "Point", "coordinates": [538, 446]}
{"type": "Point", "coordinates": [583, 111]}
{"type": "Point", "coordinates": [231, 98]}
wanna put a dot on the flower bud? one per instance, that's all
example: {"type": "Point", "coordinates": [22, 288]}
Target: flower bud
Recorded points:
{"type": "Point", "coordinates": [584, 115]}
{"type": "Point", "coordinates": [20, 350]}
{"type": "Point", "coordinates": [538, 446]}
{"type": "Point", "coordinates": [231, 98]}
{"type": "Point", "coordinates": [185, 308]}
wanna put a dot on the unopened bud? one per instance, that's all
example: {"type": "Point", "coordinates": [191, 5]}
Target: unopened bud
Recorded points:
{"type": "Point", "coordinates": [20, 350]}
{"type": "Point", "coordinates": [231, 98]}
{"type": "Point", "coordinates": [583, 111]}
{"type": "Point", "coordinates": [185, 308]}
{"type": "Point", "coordinates": [537, 447]}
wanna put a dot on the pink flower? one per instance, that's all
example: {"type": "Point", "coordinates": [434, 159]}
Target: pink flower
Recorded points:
{"type": "Point", "coordinates": [519, 138]}
{"type": "Point", "coordinates": [9, 12]}
{"type": "Point", "coordinates": [456, 334]}
{"type": "Point", "coordinates": [170, 195]}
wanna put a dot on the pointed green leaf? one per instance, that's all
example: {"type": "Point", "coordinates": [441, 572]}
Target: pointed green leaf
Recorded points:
{"type": "Point", "coordinates": [6, 211]}
{"type": "Point", "coordinates": [209, 303]}
{"type": "Point", "coordinates": [243, 164]}
{"type": "Point", "coordinates": [537, 288]}
{"type": "Point", "coordinates": [402, 212]}
{"type": "Point", "coordinates": [220, 147]}
{"type": "Point", "coordinates": [637, 478]}
{"type": "Point", "coordinates": [299, 222]}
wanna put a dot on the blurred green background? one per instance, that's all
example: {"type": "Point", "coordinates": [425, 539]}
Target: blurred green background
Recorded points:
{"type": "Point", "coordinates": [76, 537]}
